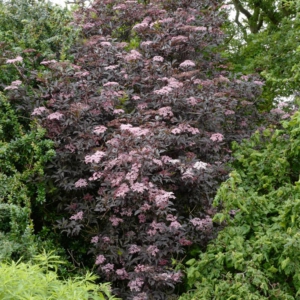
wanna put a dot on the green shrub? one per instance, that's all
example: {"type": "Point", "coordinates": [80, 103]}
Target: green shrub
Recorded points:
{"type": "Point", "coordinates": [39, 281]}
{"type": "Point", "coordinates": [257, 255]}
{"type": "Point", "coordinates": [22, 158]}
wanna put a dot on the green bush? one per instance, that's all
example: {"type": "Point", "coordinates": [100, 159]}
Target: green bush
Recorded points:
{"type": "Point", "coordinates": [33, 30]}
{"type": "Point", "coordinates": [22, 158]}
{"type": "Point", "coordinates": [39, 281]}
{"type": "Point", "coordinates": [257, 255]}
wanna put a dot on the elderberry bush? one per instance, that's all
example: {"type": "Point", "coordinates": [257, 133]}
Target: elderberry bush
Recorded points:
{"type": "Point", "coordinates": [142, 120]}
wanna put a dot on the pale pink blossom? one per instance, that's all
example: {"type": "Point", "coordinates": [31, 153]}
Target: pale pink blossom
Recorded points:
{"type": "Point", "coordinates": [134, 249]}
{"type": "Point", "coordinates": [277, 111]}
{"type": "Point", "coordinates": [95, 176]}
{"type": "Point", "coordinates": [158, 59]}
{"type": "Point", "coordinates": [16, 83]}
{"type": "Point", "coordinates": [174, 83]}
{"type": "Point", "coordinates": [100, 259]}
{"type": "Point", "coordinates": [122, 273]}
{"type": "Point", "coordinates": [122, 190]}
{"type": "Point", "coordinates": [120, 7]}
{"type": "Point", "coordinates": [106, 239]}
{"type": "Point", "coordinates": [146, 44]}
{"type": "Point", "coordinates": [94, 158]}
{"type": "Point", "coordinates": [112, 67]}
{"type": "Point", "coordinates": [202, 224]}
{"type": "Point", "coordinates": [126, 212]}
{"type": "Point", "coordinates": [162, 199]}
{"type": "Point", "coordinates": [139, 187]}
{"type": "Point", "coordinates": [55, 116]}
{"type": "Point", "coordinates": [145, 207]}
{"type": "Point", "coordinates": [115, 221]}
{"type": "Point", "coordinates": [135, 97]}
{"type": "Point", "coordinates": [200, 165]}
{"type": "Point", "coordinates": [192, 101]}
{"type": "Point", "coordinates": [171, 218]}
{"type": "Point", "coordinates": [99, 129]}
{"type": "Point", "coordinates": [177, 276]}
{"type": "Point", "coordinates": [81, 74]}
{"type": "Point", "coordinates": [229, 112]}
{"type": "Point", "coordinates": [200, 28]}
{"type": "Point", "coordinates": [285, 116]}
{"type": "Point", "coordinates": [48, 62]}
{"type": "Point", "coordinates": [179, 39]}
{"type": "Point", "coordinates": [167, 20]}
{"type": "Point", "coordinates": [88, 25]}
{"type": "Point", "coordinates": [141, 268]}
{"type": "Point", "coordinates": [140, 26]}
{"type": "Point", "coordinates": [78, 216]}
{"type": "Point", "coordinates": [14, 60]}
{"type": "Point", "coordinates": [136, 284]}
{"type": "Point", "coordinates": [217, 137]}
{"type": "Point", "coordinates": [81, 183]}
{"type": "Point", "coordinates": [11, 87]}
{"type": "Point", "coordinates": [188, 174]}
{"type": "Point", "coordinates": [282, 105]}
{"type": "Point", "coordinates": [158, 162]}
{"type": "Point", "coordinates": [142, 218]}
{"type": "Point", "coordinates": [187, 64]}
{"type": "Point", "coordinates": [140, 296]}
{"type": "Point", "coordinates": [105, 44]}
{"type": "Point", "coordinates": [133, 55]}
{"type": "Point", "coordinates": [95, 240]}
{"type": "Point", "coordinates": [165, 111]}
{"type": "Point", "coordinates": [153, 250]}
{"type": "Point", "coordinates": [118, 111]}
{"type": "Point", "coordinates": [258, 82]}
{"type": "Point", "coordinates": [108, 268]}
{"type": "Point", "coordinates": [111, 83]}
{"type": "Point", "coordinates": [175, 225]}
{"type": "Point", "coordinates": [39, 111]}
{"type": "Point", "coordinates": [163, 91]}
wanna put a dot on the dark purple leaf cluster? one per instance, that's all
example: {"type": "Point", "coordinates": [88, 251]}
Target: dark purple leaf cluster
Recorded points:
{"type": "Point", "coordinates": [142, 122]}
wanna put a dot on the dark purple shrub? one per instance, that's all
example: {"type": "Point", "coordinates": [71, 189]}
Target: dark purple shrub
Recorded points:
{"type": "Point", "coordinates": [143, 135]}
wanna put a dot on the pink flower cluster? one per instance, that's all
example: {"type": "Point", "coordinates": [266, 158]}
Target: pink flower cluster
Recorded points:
{"type": "Point", "coordinates": [39, 111]}
{"type": "Point", "coordinates": [78, 216]}
{"type": "Point", "coordinates": [14, 85]}
{"type": "Point", "coordinates": [185, 128]}
{"type": "Point", "coordinates": [55, 116]}
{"type": "Point", "coordinates": [136, 284]}
{"type": "Point", "coordinates": [94, 158]}
{"type": "Point", "coordinates": [14, 60]}
{"type": "Point", "coordinates": [202, 224]}
{"type": "Point", "coordinates": [81, 183]}
{"type": "Point", "coordinates": [187, 64]}
{"type": "Point", "coordinates": [100, 129]}
{"type": "Point", "coordinates": [136, 131]}
{"type": "Point", "coordinates": [132, 56]}
{"type": "Point", "coordinates": [217, 137]}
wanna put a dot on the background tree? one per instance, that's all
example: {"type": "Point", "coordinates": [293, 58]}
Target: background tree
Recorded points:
{"type": "Point", "coordinates": [264, 39]}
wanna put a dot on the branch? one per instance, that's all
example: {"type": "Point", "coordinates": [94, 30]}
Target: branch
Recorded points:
{"type": "Point", "coordinates": [239, 7]}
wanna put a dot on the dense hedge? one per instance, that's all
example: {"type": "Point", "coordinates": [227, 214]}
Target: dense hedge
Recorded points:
{"type": "Point", "coordinates": [257, 255]}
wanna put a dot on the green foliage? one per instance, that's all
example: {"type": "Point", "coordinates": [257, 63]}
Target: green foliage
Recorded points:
{"type": "Point", "coordinates": [35, 30]}
{"type": "Point", "coordinates": [271, 50]}
{"type": "Point", "coordinates": [257, 255]}
{"type": "Point", "coordinates": [39, 281]}
{"type": "Point", "coordinates": [22, 159]}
